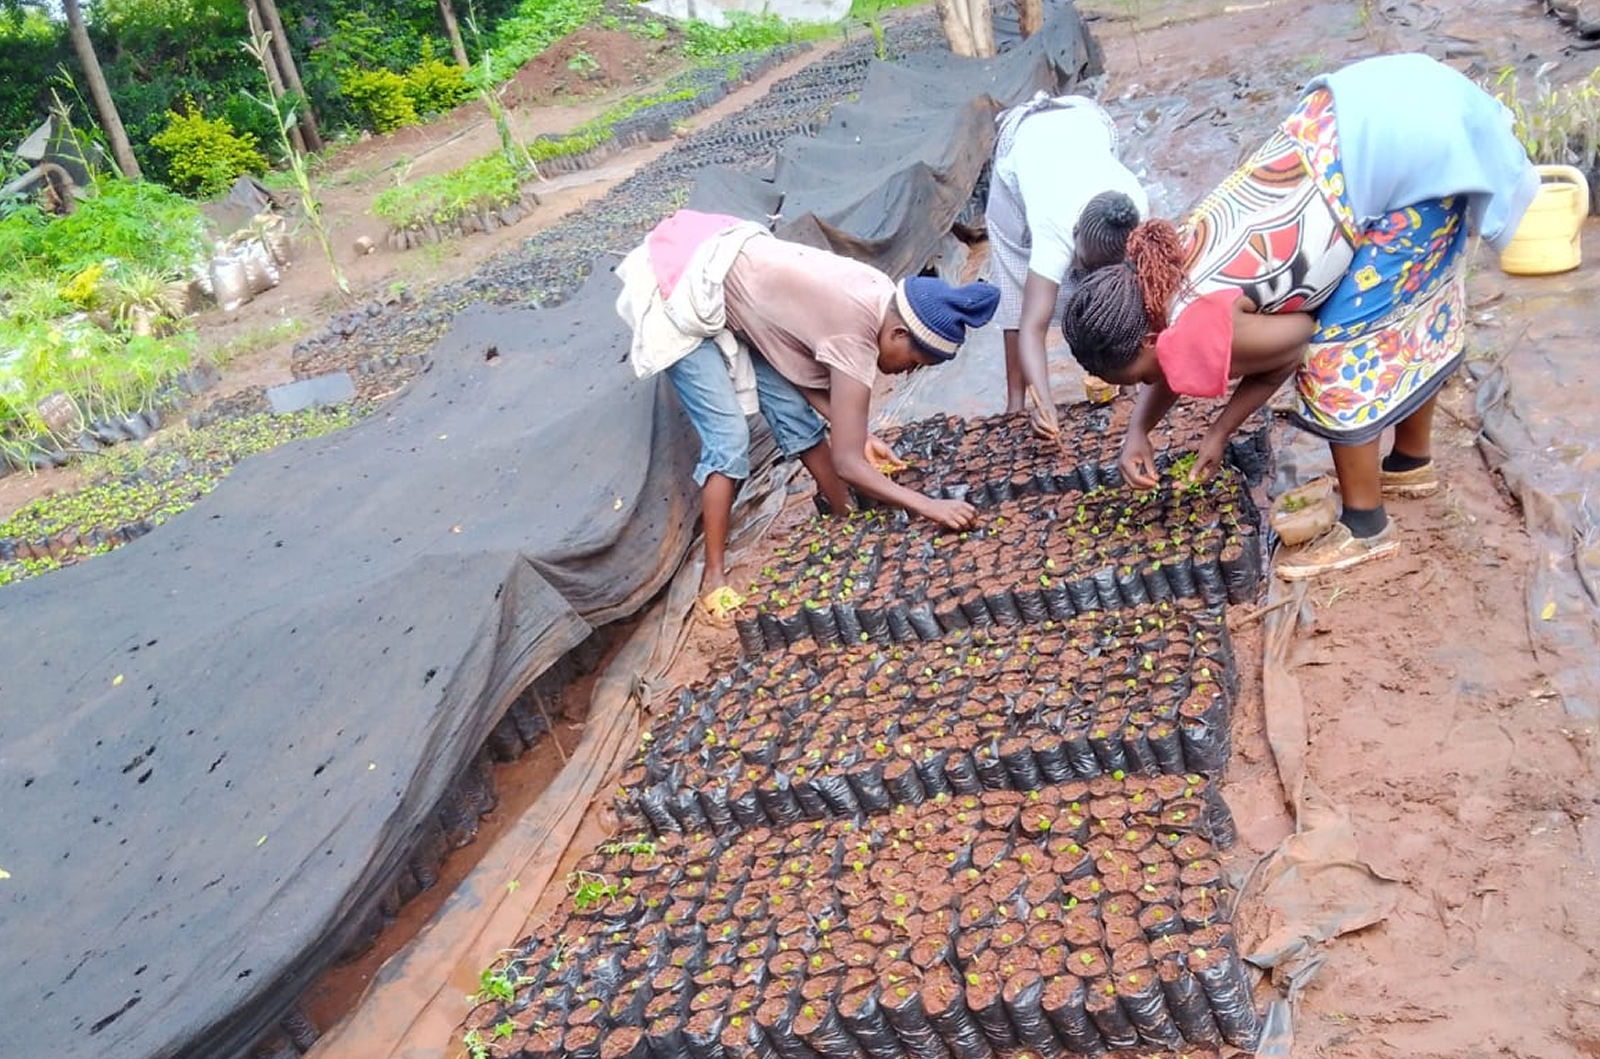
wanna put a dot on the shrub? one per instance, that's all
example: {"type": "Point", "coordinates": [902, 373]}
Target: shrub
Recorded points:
{"type": "Point", "coordinates": [205, 155]}
{"type": "Point", "coordinates": [380, 98]}
{"type": "Point", "coordinates": [434, 86]}
{"type": "Point", "coordinates": [139, 223]}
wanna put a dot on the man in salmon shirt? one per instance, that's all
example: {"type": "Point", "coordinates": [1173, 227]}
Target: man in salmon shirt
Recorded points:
{"type": "Point", "coordinates": [739, 319]}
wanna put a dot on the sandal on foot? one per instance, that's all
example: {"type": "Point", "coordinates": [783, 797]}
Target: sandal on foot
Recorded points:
{"type": "Point", "coordinates": [1338, 549]}
{"type": "Point", "coordinates": [1415, 483]}
{"type": "Point", "coordinates": [719, 606]}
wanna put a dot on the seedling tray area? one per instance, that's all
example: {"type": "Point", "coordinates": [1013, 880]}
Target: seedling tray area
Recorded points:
{"type": "Point", "coordinates": [882, 577]}
{"type": "Point", "coordinates": [1070, 919]}
{"type": "Point", "coordinates": [817, 733]}
{"type": "Point", "coordinates": [995, 458]}
{"type": "Point", "coordinates": [957, 801]}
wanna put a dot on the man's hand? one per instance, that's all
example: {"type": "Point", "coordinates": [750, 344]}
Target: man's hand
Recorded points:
{"type": "Point", "coordinates": [881, 456]}
{"type": "Point", "coordinates": [1138, 460]}
{"type": "Point", "coordinates": [1207, 459]}
{"type": "Point", "coordinates": [951, 514]}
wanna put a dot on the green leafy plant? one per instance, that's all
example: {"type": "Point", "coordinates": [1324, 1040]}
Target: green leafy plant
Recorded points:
{"type": "Point", "coordinates": [380, 98]}
{"type": "Point", "coordinates": [583, 63]}
{"type": "Point", "coordinates": [205, 155]}
{"type": "Point", "coordinates": [589, 889]}
{"type": "Point", "coordinates": [435, 86]}
{"type": "Point", "coordinates": [747, 32]}
{"type": "Point", "coordinates": [1556, 125]}
{"type": "Point", "coordinates": [487, 183]}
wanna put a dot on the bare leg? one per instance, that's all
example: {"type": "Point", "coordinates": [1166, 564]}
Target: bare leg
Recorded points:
{"type": "Point", "coordinates": [1359, 485]}
{"type": "Point", "coordinates": [1016, 385]}
{"type": "Point", "coordinates": [716, 501]}
{"type": "Point", "coordinates": [1413, 435]}
{"type": "Point", "coordinates": [818, 459]}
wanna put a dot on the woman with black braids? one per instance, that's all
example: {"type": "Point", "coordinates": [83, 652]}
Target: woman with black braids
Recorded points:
{"type": "Point", "coordinates": [1060, 203]}
{"type": "Point", "coordinates": [1336, 255]}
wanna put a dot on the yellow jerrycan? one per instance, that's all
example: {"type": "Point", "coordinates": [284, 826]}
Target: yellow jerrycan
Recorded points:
{"type": "Point", "coordinates": [1547, 240]}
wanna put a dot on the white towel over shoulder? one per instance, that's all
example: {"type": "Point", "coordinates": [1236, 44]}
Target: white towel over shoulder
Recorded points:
{"type": "Point", "coordinates": [665, 330]}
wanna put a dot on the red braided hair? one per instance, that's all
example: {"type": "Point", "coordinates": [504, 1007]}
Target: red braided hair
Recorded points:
{"type": "Point", "coordinates": [1155, 250]}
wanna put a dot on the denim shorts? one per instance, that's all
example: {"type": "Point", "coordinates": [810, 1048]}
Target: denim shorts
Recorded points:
{"type": "Point", "coordinates": [705, 389]}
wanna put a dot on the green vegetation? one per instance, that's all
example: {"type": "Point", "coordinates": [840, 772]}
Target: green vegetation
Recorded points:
{"type": "Point", "coordinates": [488, 183]}
{"type": "Point", "coordinates": [1556, 125]}
{"type": "Point", "coordinates": [132, 485]}
{"type": "Point", "coordinates": [379, 97]}
{"type": "Point", "coordinates": [746, 32]}
{"type": "Point", "coordinates": [125, 221]}
{"type": "Point", "coordinates": [535, 25]}
{"type": "Point", "coordinates": [87, 306]}
{"type": "Point", "coordinates": [205, 155]}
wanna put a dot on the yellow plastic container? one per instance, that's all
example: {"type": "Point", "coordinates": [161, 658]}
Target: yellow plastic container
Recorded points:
{"type": "Point", "coordinates": [1547, 240]}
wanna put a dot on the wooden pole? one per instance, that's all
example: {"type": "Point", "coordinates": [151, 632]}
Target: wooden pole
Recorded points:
{"type": "Point", "coordinates": [982, 22]}
{"type": "Point", "coordinates": [953, 19]}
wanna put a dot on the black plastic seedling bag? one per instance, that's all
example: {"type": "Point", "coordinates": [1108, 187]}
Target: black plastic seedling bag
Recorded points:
{"type": "Point", "coordinates": [849, 621]}
{"type": "Point", "coordinates": [823, 1029]}
{"type": "Point", "coordinates": [1141, 997]}
{"type": "Point", "coordinates": [840, 799]}
{"type": "Point", "coordinates": [902, 1005]}
{"type": "Point", "coordinates": [931, 770]}
{"type": "Point", "coordinates": [1187, 1002]}
{"type": "Point", "coordinates": [1227, 987]}
{"type": "Point", "coordinates": [1023, 998]}
{"type": "Point", "coordinates": [1071, 1021]}
{"type": "Point", "coordinates": [1112, 1021]}
{"type": "Point", "coordinates": [864, 1018]}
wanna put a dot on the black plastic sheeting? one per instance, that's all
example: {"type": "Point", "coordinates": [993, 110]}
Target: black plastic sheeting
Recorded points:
{"type": "Point", "coordinates": [884, 179]}
{"type": "Point", "coordinates": [219, 742]}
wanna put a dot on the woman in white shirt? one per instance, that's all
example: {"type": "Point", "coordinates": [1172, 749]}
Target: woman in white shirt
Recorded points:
{"type": "Point", "coordinates": [1060, 204]}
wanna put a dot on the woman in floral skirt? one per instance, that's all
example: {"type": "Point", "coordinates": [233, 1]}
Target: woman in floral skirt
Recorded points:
{"type": "Point", "coordinates": [1337, 255]}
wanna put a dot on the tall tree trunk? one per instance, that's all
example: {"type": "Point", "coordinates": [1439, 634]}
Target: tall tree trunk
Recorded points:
{"type": "Point", "coordinates": [1030, 16]}
{"type": "Point", "coordinates": [448, 14]}
{"type": "Point", "coordinates": [291, 74]}
{"type": "Point", "coordinates": [274, 78]}
{"type": "Point", "coordinates": [957, 31]}
{"type": "Point", "coordinates": [110, 120]}
{"type": "Point", "coordinates": [982, 21]}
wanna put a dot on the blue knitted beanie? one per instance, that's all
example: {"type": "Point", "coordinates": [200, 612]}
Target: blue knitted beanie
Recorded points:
{"type": "Point", "coordinates": [938, 315]}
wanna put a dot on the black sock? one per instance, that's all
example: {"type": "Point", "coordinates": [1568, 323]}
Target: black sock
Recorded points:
{"type": "Point", "coordinates": [1364, 523]}
{"type": "Point", "coordinates": [1398, 462]}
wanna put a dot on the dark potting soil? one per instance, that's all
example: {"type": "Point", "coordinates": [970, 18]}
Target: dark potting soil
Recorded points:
{"type": "Point", "coordinates": [992, 458]}
{"type": "Point", "coordinates": [880, 577]}
{"type": "Point", "coordinates": [846, 716]}
{"type": "Point", "coordinates": [851, 928]}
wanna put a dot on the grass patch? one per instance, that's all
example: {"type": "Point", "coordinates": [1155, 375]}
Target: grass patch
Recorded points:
{"type": "Point", "coordinates": [133, 486]}
{"type": "Point", "coordinates": [255, 340]}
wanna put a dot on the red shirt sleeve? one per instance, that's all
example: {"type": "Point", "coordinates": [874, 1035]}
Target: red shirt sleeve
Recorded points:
{"type": "Point", "coordinates": [1196, 351]}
